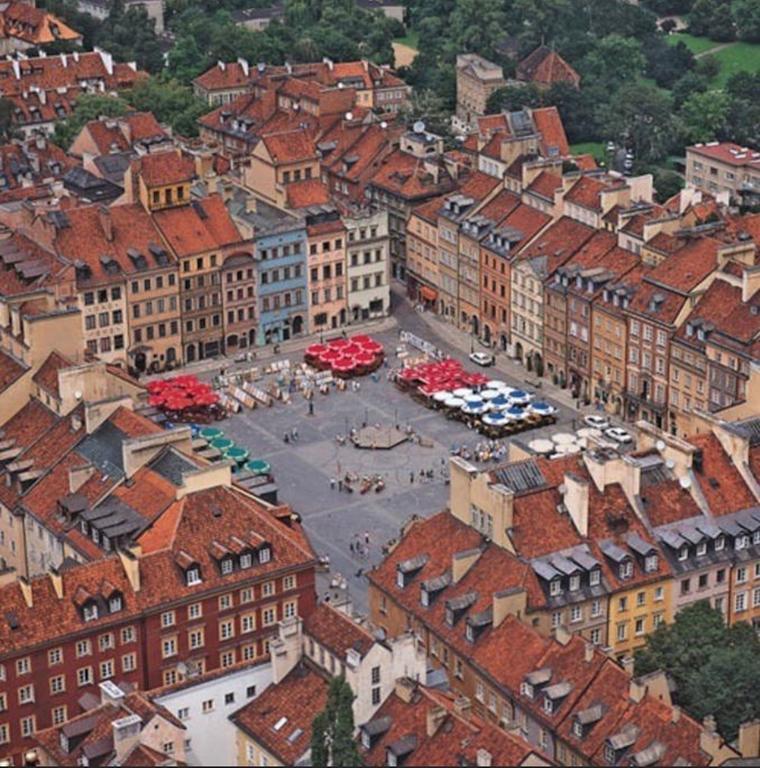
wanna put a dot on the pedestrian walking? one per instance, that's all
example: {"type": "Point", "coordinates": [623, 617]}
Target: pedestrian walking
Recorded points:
{"type": "Point", "coordinates": [340, 484]}
{"type": "Point", "coordinates": [411, 478]}
{"type": "Point", "coordinates": [332, 483]}
{"type": "Point", "coordinates": [366, 537]}
{"type": "Point", "coordinates": [351, 546]}
{"type": "Point", "coordinates": [311, 407]}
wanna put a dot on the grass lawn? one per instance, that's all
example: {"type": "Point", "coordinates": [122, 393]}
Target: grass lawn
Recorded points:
{"type": "Point", "coordinates": [595, 148]}
{"type": "Point", "coordinates": [411, 38]}
{"type": "Point", "coordinates": [735, 58]}
{"type": "Point", "coordinates": [694, 44]}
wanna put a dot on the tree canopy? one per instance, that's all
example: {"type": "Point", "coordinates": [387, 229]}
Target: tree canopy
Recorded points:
{"type": "Point", "coordinates": [88, 107]}
{"type": "Point", "coordinates": [716, 668]}
{"type": "Point", "coordinates": [332, 739]}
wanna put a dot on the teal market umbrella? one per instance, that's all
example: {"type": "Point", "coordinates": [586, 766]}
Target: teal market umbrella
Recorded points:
{"type": "Point", "coordinates": [237, 453]}
{"type": "Point", "coordinates": [222, 443]}
{"type": "Point", "coordinates": [211, 433]}
{"type": "Point", "coordinates": [258, 467]}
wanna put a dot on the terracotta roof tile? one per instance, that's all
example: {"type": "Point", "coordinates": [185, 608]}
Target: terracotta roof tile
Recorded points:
{"type": "Point", "coordinates": [160, 168]}
{"type": "Point", "coordinates": [303, 194]}
{"type": "Point", "coordinates": [47, 374]}
{"type": "Point", "coordinates": [546, 67]}
{"type": "Point", "coordinates": [335, 631]}
{"type": "Point", "coordinates": [28, 424]}
{"type": "Point", "coordinates": [297, 700]}
{"type": "Point", "coordinates": [404, 175]}
{"type": "Point", "coordinates": [556, 244]}
{"type": "Point", "coordinates": [527, 220]}
{"type": "Point", "coordinates": [586, 192]}
{"type": "Point", "coordinates": [10, 370]}
{"type": "Point", "coordinates": [290, 147]}
{"type": "Point", "coordinates": [204, 225]}
{"type": "Point", "coordinates": [688, 266]}
{"type": "Point", "coordinates": [553, 139]}
{"type": "Point", "coordinates": [544, 185]}
{"type": "Point", "coordinates": [34, 26]}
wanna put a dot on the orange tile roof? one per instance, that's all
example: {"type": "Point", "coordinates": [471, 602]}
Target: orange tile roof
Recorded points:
{"type": "Point", "coordinates": [303, 194]}
{"type": "Point", "coordinates": [546, 67]}
{"type": "Point", "coordinates": [404, 175]}
{"type": "Point", "coordinates": [459, 737]}
{"type": "Point", "coordinates": [500, 206]}
{"type": "Point", "coordinates": [586, 192]}
{"type": "Point", "coordinates": [124, 132]}
{"type": "Point", "coordinates": [478, 185]}
{"type": "Point", "coordinates": [335, 631]}
{"type": "Point", "coordinates": [10, 370]}
{"type": "Point", "coordinates": [160, 168]}
{"type": "Point", "coordinates": [689, 265]}
{"type": "Point", "coordinates": [585, 162]}
{"type": "Point", "coordinates": [28, 424]}
{"type": "Point", "coordinates": [290, 147]}
{"type": "Point", "coordinates": [491, 124]}
{"type": "Point", "coordinates": [34, 26]}
{"type": "Point", "coordinates": [549, 124]}
{"type": "Point", "coordinates": [719, 480]}
{"type": "Point", "coordinates": [556, 244]}
{"type": "Point", "coordinates": [544, 185]}
{"type": "Point", "coordinates": [297, 699]}
{"type": "Point", "coordinates": [666, 311]}
{"type": "Point", "coordinates": [728, 152]}
{"type": "Point", "coordinates": [230, 75]}
{"type": "Point", "coordinates": [47, 374]}
{"type": "Point", "coordinates": [188, 232]}
{"type": "Point", "coordinates": [526, 219]}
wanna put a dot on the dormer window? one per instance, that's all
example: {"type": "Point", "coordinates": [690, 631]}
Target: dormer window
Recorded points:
{"type": "Point", "coordinates": [594, 577]}
{"type": "Point", "coordinates": [701, 548]}
{"type": "Point", "coordinates": [226, 566]}
{"type": "Point", "coordinates": [245, 561]}
{"type": "Point", "coordinates": [424, 597]}
{"type": "Point", "coordinates": [526, 689]}
{"type": "Point", "coordinates": [742, 542]}
{"type": "Point", "coordinates": [555, 587]}
{"type": "Point", "coordinates": [578, 729]}
{"type": "Point", "coordinates": [756, 537]}
{"type": "Point", "coordinates": [548, 705]}
{"type": "Point", "coordinates": [265, 555]}
{"type": "Point", "coordinates": [366, 742]}
{"type": "Point", "coordinates": [400, 580]}
{"type": "Point", "coordinates": [626, 569]}
{"type": "Point", "coordinates": [609, 754]}
{"type": "Point", "coordinates": [575, 583]}
{"type": "Point", "coordinates": [683, 553]}
{"type": "Point", "coordinates": [90, 611]}
{"type": "Point", "coordinates": [115, 604]}
{"type": "Point", "coordinates": [650, 563]}
{"type": "Point", "coordinates": [193, 576]}
{"type": "Point", "coordinates": [450, 616]}
{"type": "Point", "coordinates": [720, 543]}
{"type": "Point", "coordinates": [469, 633]}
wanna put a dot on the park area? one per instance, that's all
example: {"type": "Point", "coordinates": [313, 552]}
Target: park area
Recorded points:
{"type": "Point", "coordinates": [731, 57]}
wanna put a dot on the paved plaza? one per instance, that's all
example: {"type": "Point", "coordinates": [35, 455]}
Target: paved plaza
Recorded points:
{"type": "Point", "coordinates": [304, 469]}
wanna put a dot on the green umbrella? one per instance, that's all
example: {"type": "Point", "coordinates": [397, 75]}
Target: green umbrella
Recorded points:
{"type": "Point", "coordinates": [211, 433]}
{"type": "Point", "coordinates": [222, 443]}
{"type": "Point", "coordinates": [258, 467]}
{"type": "Point", "coordinates": [236, 453]}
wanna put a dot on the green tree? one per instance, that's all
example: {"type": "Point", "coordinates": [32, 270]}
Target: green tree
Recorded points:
{"type": "Point", "coordinates": [89, 107]}
{"type": "Point", "coordinates": [746, 15]}
{"type": "Point", "coordinates": [641, 116]}
{"type": "Point", "coordinates": [705, 115]}
{"type": "Point", "coordinates": [716, 668]}
{"type": "Point", "coordinates": [667, 184]}
{"type": "Point", "coordinates": [614, 60]}
{"type": "Point", "coordinates": [6, 118]}
{"type": "Point", "coordinates": [689, 84]}
{"type": "Point", "coordinates": [332, 738]}
{"type": "Point", "coordinates": [510, 99]}
{"type": "Point", "coordinates": [171, 103]}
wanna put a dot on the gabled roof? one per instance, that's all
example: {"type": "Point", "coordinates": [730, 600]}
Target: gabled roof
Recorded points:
{"type": "Point", "coordinates": [47, 374]}
{"type": "Point", "coordinates": [685, 269]}
{"type": "Point", "coordinates": [303, 194]}
{"type": "Point", "coordinates": [290, 147]}
{"type": "Point", "coordinates": [546, 67]}
{"type": "Point", "coordinates": [555, 245]}
{"type": "Point", "coordinates": [544, 185]}
{"type": "Point", "coordinates": [34, 26]}
{"type": "Point", "coordinates": [553, 139]}
{"type": "Point", "coordinates": [336, 632]}
{"type": "Point", "coordinates": [163, 168]}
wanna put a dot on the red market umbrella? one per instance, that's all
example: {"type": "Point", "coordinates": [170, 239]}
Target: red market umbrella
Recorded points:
{"type": "Point", "coordinates": [351, 349]}
{"type": "Point", "coordinates": [156, 400]}
{"type": "Point", "coordinates": [178, 403]}
{"type": "Point", "coordinates": [206, 399]}
{"type": "Point", "coordinates": [338, 343]}
{"type": "Point", "coordinates": [330, 354]}
{"type": "Point", "coordinates": [344, 360]}
{"type": "Point", "coordinates": [360, 339]}
{"type": "Point", "coordinates": [365, 358]}
{"type": "Point", "coordinates": [154, 387]}
{"type": "Point", "coordinates": [373, 346]}
{"type": "Point", "coordinates": [315, 350]}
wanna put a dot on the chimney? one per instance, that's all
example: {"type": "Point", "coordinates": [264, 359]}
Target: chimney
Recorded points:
{"type": "Point", "coordinates": [78, 476]}
{"type": "Point", "coordinates": [636, 690]}
{"type": "Point", "coordinates": [404, 689]}
{"type": "Point", "coordinates": [750, 282]}
{"type": "Point", "coordinates": [749, 739]}
{"type": "Point", "coordinates": [588, 653]}
{"type": "Point", "coordinates": [483, 758]}
{"type": "Point", "coordinates": [106, 223]}
{"type": "Point", "coordinates": [675, 714]}
{"type": "Point", "coordinates": [57, 582]}
{"type": "Point", "coordinates": [434, 719]}
{"type": "Point", "coordinates": [462, 705]}
{"type": "Point", "coordinates": [110, 693]}
{"type": "Point", "coordinates": [709, 739]}
{"type": "Point", "coordinates": [244, 66]}
{"type": "Point", "coordinates": [461, 562]}
{"type": "Point", "coordinates": [130, 561]}
{"type": "Point", "coordinates": [26, 591]}
{"type": "Point", "coordinates": [286, 649]}
{"type": "Point", "coordinates": [76, 422]}
{"type": "Point", "coordinates": [126, 736]}
{"type": "Point", "coordinates": [627, 664]}
{"type": "Point", "coordinates": [561, 635]}
{"type": "Point", "coordinates": [576, 501]}
{"type": "Point", "coordinates": [508, 602]}
{"type": "Point", "coordinates": [64, 61]}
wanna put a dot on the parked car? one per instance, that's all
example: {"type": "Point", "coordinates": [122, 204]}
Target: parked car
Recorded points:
{"type": "Point", "coordinates": [482, 358]}
{"type": "Point", "coordinates": [599, 422]}
{"type": "Point", "coordinates": [618, 435]}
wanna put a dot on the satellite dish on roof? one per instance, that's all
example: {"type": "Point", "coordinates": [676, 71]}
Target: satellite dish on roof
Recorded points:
{"type": "Point", "coordinates": [383, 125]}
{"type": "Point", "coordinates": [349, 115]}
{"type": "Point", "coordinates": [78, 395]}
{"type": "Point", "coordinates": [685, 482]}
{"type": "Point", "coordinates": [419, 127]}
{"type": "Point", "coordinates": [341, 86]}
{"type": "Point", "coordinates": [660, 445]}
{"type": "Point", "coordinates": [670, 464]}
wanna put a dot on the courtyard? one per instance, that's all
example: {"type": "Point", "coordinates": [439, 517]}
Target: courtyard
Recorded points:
{"type": "Point", "coordinates": [414, 473]}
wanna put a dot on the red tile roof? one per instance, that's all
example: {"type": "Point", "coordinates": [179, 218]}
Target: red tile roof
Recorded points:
{"type": "Point", "coordinates": [281, 718]}
{"type": "Point", "coordinates": [406, 176]}
{"type": "Point", "coordinates": [546, 67]}
{"type": "Point", "coordinates": [556, 244]}
{"type": "Point", "coordinates": [527, 220]}
{"type": "Point", "coordinates": [587, 192]}
{"type": "Point", "coordinates": [124, 132]}
{"type": "Point", "coordinates": [223, 76]}
{"type": "Point", "coordinates": [500, 206]}
{"type": "Point", "coordinates": [163, 168]}
{"type": "Point", "coordinates": [553, 139]}
{"type": "Point", "coordinates": [666, 311]}
{"type": "Point", "coordinates": [728, 152]}
{"type": "Point", "coordinates": [47, 374]}
{"type": "Point", "coordinates": [34, 26]}
{"type": "Point", "coordinates": [202, 226]}
{"type": "Point", "coordinates": [290, 147]}
{"type": "Point", "coordinates": [544, 185]}
{"type": "Point", "coordinates": [28, 424]}
{"type": "Point", "coordinates": [585, 162]}
{"type": "Point", "coordinates": [303, 194]}
{"type": "Point", "coordinates": [688, 266]}
{"type": "Point", "coordinates": [488, 125]}
{"type": "Point", "coordinates": [719, 480]}
{"type": "Point", "coordinates": [459, 736]}
{"type": "Point", "coordinates": [10, 370]}
{"type": "Point", "coordinates": [335, 631]}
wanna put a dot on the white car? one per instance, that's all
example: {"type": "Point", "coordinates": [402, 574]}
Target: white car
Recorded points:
{"type": "Point", "coordinates": [618, 435]}
{"type": "Point", "coordinates": [598, 422]}
{"type": "Point", "coordinates": [482, 358]}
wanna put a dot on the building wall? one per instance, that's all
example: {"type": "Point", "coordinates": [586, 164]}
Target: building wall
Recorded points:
{"type": "Point", "coordinates": [640, 610]}
{"type": "Point", "coordinates": [201, 302]}
{"type": "Point", "coordinates": [609, 353]}
{"type": "Point", "coordinates": [250, 752]}
{"type": "Point", "coordinates": [327, 272]}
{"type": "Point", "coordinates": [495, 270]}
{"type": "Point", "coordinates": [104, 320]}
{"type": "Point", "coordinates": [239, 301]}
{"type": "Point", "coordinates": [368, 266]}
{"type": "Point", "coordinates": [469, 285]}
{"type": "Point", "coordinates": [527, 312]}
{"type": "Point", "coordinates": [211, 734]}
{"type": "Point", "coordinates": [715, 176]}
{"type": "Point", "coordinates": [422, 256]}
{"type": "Point", "coordinates": [448, 271]}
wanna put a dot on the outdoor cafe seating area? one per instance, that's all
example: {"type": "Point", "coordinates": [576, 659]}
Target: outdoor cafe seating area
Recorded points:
{"type": "Point", "coordinates": [346, 358]}
{"type": "Point", "coordinates": [488, 405]}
